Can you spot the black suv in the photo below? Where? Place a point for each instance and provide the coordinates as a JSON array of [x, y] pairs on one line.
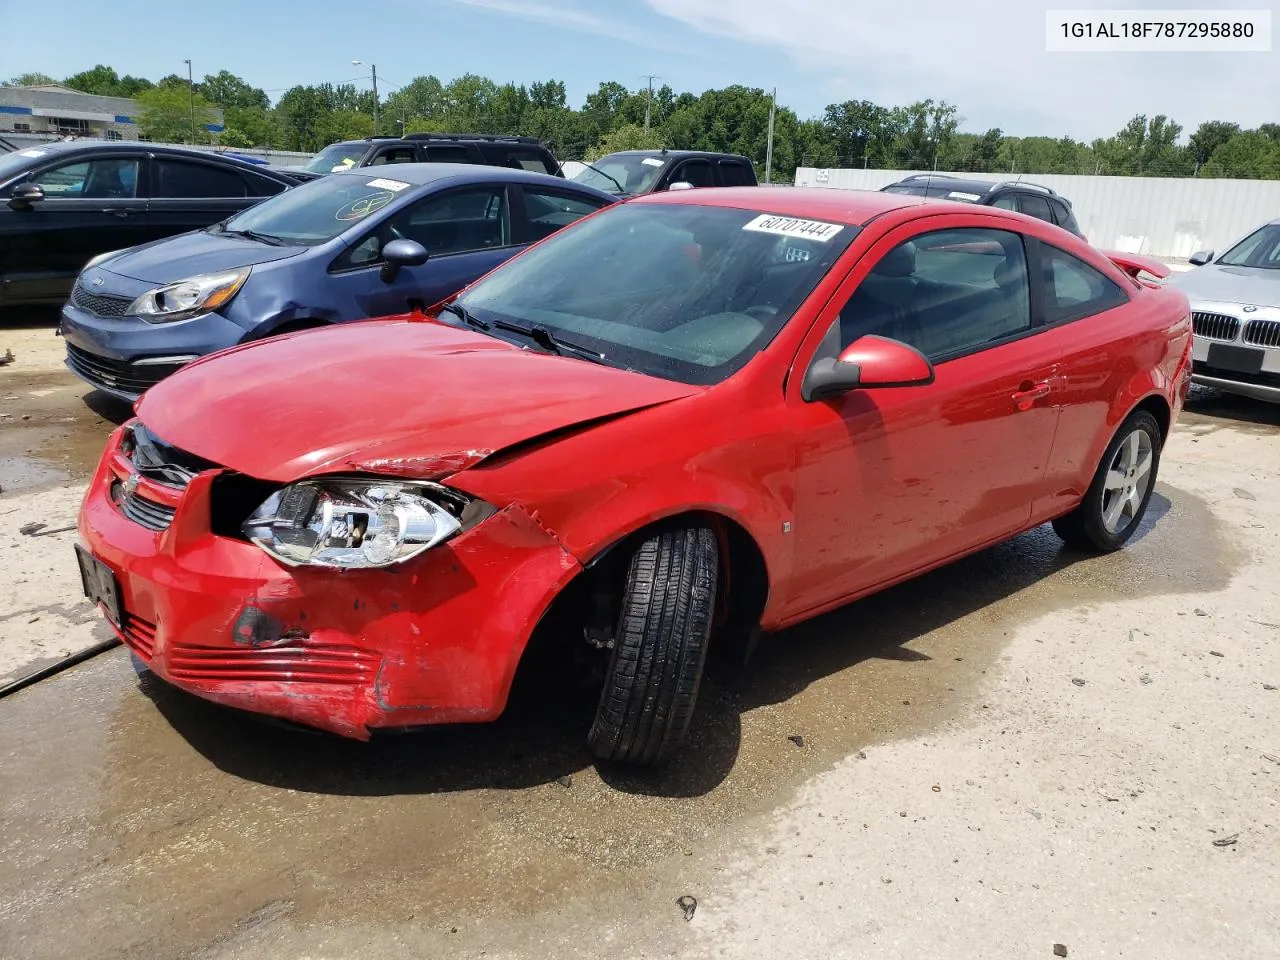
[[522, 153], [1029, 198], [631, 173]]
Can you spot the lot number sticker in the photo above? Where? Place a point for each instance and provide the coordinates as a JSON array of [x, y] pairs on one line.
[[381, 184], [651, 161], [791, 227]]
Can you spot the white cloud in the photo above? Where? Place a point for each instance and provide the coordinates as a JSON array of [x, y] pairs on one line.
[[577, 20], [988, 59]]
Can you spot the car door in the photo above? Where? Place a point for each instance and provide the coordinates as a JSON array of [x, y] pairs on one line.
[[190, 193], [92, 204], [1085, 331], [891, 481], [541, 211], [467, 231]]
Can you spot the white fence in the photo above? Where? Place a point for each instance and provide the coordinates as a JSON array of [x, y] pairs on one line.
[[1161, 216]]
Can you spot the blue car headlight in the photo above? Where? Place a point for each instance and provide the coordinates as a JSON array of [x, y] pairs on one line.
[[190, 297]]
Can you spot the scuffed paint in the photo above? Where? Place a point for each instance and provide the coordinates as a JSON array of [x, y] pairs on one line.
[[420, 468]]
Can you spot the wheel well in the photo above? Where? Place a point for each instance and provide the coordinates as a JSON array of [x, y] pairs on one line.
[[1158, 407]]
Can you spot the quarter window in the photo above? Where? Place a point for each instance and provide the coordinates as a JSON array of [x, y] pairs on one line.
[[1037, 207], [1073, 289], [183, 179], [946, 293], [107, 179]]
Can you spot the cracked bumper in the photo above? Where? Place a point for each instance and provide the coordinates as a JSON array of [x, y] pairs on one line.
[[434, 641]]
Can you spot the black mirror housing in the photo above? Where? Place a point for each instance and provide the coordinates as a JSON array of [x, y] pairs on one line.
[[401, 253], [1200, 258], [24, 195]]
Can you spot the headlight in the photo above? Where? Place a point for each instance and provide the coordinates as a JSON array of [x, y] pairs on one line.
[[353, 524], [188, 298], [100, 258]]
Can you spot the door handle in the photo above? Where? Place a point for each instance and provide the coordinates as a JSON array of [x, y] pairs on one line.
[[120, 211], [1030, 393]]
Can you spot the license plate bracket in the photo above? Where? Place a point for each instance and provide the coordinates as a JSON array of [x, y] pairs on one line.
[[1228, 356], [100, 584]]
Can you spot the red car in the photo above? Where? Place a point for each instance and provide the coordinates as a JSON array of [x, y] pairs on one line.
[[683, 419]]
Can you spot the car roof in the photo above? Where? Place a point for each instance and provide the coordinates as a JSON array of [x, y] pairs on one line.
[[675, 153], [853, 207], [423, 174], [142, 146]]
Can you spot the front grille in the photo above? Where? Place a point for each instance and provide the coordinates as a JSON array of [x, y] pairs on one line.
[[1215, 326], [115, 374], [147, 513], [103, 306], [140, 636], [1263, 333], [297, 662]]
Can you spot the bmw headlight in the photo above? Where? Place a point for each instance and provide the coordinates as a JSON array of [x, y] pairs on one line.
[[190, 297], [354, 524]]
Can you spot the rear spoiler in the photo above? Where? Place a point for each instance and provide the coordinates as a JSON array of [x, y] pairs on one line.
[[1135, 263]]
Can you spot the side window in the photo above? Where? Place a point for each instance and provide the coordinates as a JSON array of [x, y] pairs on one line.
[[733, 174], [460, 222], [1034, 206], [548, 212], [448, 154], [106, 179], [262, 186], [696, 172], [1073, 289], [394, 155], [945, 293], [1006, 201], [1062, 213], [186, 179], [518, 158]]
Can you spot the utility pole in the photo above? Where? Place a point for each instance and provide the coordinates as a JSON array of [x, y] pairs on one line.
[[768, 152], [648, 104], [373, 70], [191, 94]]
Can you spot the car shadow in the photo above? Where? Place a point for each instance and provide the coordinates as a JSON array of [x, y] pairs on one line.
[[541, 735], [111, 409], [1219, 405]]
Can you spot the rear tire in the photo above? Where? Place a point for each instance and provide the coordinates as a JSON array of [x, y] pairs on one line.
[[1113, 508], [660, 648]]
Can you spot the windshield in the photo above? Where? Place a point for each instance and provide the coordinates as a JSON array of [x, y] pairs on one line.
[[1260, 249], [634, 174], [336, 157], [318, 210], [942, 191], [678, 291]]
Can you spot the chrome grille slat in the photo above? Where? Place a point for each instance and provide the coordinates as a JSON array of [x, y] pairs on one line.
[[117, 374], [1263, 333], [98, 304], [147, 513], [1215, 326]]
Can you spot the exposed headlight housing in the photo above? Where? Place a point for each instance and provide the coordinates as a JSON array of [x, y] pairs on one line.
[[351, 524], [189, 298], [101, 258]]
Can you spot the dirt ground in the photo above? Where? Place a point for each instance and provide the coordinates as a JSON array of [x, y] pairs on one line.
[[1024, 749]]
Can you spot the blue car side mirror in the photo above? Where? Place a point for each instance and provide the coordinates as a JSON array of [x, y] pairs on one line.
[[401, 253]]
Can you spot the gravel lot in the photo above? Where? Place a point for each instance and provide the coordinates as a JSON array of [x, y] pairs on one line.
[[1024, 749]]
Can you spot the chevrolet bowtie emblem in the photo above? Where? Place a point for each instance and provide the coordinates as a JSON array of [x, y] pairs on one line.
[[131, 485]]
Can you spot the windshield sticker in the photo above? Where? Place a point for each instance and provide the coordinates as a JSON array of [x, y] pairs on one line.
[[31, 153], [651, 161], [382, 184], [958, 195], [791, 227], [361, 207]]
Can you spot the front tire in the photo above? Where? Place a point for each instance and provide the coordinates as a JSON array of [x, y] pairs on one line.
[[1116, 501], [659, 649]]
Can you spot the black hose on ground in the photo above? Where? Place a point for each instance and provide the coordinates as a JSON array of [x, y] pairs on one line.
[[44, 673]]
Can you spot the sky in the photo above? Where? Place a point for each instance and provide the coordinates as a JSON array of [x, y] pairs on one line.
[[985, 56]]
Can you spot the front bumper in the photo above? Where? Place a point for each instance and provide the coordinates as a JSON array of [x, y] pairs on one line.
[[125, 356], [436, 640], [1237, 349]]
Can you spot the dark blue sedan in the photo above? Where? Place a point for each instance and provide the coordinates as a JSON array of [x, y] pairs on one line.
[[366, 243]]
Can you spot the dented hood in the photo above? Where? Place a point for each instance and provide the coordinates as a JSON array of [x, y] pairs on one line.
[[399, 397]]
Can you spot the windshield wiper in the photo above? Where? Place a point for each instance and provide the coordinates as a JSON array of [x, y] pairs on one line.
[[621, 188], [544, 338], [254, 235], [465, 315]]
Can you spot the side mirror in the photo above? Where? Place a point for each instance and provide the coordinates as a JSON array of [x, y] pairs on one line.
[[868, 363], [1200, 258], [401, 253], [24, 195], [681, 185]]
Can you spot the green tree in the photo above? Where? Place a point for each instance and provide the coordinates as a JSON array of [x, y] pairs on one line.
[[165, 114], [1145, 148], [1209, 136], [227, 90], [30, 80], [1250, 155], [859, 131], [628, 137]]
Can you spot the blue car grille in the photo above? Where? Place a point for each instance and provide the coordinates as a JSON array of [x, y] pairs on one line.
[[102, 306], [113, 374]]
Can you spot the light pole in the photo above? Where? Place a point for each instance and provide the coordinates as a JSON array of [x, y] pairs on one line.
[[191, 93], [648, 104], [373, 69]]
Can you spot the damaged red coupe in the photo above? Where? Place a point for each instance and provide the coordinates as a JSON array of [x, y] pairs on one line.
[[682, 420]]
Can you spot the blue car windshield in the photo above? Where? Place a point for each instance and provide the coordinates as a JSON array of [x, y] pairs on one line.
[[679, 291], [316, 212]]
